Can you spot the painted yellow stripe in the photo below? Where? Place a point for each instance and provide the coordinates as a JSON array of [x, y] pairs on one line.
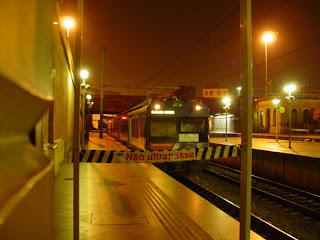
[[106, 156], [208, 154], [226, 151], [217, 152], [235, 151], [199, 155]]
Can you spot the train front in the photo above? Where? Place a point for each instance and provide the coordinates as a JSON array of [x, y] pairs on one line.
[[175, 124]]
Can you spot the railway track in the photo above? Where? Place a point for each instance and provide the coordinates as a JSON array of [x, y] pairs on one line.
[[259, 225], [302, 201]]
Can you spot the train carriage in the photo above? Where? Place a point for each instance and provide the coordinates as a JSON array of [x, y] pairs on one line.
[[163, 124]]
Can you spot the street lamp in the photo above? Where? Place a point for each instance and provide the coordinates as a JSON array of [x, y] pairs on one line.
[[239, 91], [276, 102], [84, 87], [267, 37], [89, 97], [68, 23], [289, 89], [227, 102]]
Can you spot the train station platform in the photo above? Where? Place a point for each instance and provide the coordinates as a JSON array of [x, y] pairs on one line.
[[301, 148], [135, 201]]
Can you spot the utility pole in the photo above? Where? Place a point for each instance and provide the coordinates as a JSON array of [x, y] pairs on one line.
[[246, 128], [101, 91]]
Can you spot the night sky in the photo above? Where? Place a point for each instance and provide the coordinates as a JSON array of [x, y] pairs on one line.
[[196, 43]]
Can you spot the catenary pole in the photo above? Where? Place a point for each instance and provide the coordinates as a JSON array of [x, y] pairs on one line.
[[246, 127], [76, 125], [101, 91]]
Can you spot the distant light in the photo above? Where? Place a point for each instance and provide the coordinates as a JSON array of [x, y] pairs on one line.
[[169, 112], [55, 23], [275, 101], [124, 118], [84, 74], [239, 88], [226, 101], [289, 88], [157, 106], [88, 96], [268, 37], [198, 107], [68, 22]]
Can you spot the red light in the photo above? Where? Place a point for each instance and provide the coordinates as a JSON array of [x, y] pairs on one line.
[[124, 118]]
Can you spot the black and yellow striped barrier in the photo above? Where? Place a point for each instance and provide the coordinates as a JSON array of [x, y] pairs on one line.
[[101, 156]]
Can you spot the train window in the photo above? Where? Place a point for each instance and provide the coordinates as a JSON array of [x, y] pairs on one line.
[[163, 127], [188, 125]]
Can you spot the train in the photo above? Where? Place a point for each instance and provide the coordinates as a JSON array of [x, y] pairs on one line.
[[162, 124]]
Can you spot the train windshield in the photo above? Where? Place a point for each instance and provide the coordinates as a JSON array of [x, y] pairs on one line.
[[193, 125], [163, 127]]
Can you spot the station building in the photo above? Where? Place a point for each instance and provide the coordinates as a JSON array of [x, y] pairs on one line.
[[305, 112]]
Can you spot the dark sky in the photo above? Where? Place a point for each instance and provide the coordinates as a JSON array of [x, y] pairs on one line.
[[169, 43]]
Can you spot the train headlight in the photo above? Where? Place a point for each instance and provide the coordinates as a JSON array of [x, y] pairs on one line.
[[198, 107], [157, 106]]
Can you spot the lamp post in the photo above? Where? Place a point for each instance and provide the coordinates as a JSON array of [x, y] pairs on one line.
[[89, 103], [227, 103], [289, 89], [68, 23], [267, 37], [276, 102], [84, 75], [239, 91]]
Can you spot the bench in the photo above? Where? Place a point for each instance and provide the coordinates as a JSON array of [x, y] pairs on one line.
[[300, 130]]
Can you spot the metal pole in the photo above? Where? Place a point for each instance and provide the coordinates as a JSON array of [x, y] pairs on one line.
[[76, 135], [88, 120], [83, 91], [226, 123], [289, 119], [101, 91], [277, 110], [266, 61], [246, 123]]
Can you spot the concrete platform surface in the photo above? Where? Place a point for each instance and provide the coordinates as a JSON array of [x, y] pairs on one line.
[[309, 149], [136, 201]]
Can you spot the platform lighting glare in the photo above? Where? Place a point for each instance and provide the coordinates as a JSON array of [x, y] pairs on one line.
[[84, 74], [290, 88], [268, 37], [89, 97], [157, 106], [227, 101], [68, 23], [276, 101]]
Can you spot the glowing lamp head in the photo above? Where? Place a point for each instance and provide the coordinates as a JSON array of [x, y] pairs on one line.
[[268, 37], [276, 101], [290, 88], [84, 74], [157, 106], [68, 22], [89, 97], [227, 101]]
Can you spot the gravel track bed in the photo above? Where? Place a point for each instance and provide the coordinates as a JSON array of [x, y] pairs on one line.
[[297, 225]]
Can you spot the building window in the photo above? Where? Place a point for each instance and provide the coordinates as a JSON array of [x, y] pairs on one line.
[[211, 93], [225, 93], [206, 93], [219, 93]]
